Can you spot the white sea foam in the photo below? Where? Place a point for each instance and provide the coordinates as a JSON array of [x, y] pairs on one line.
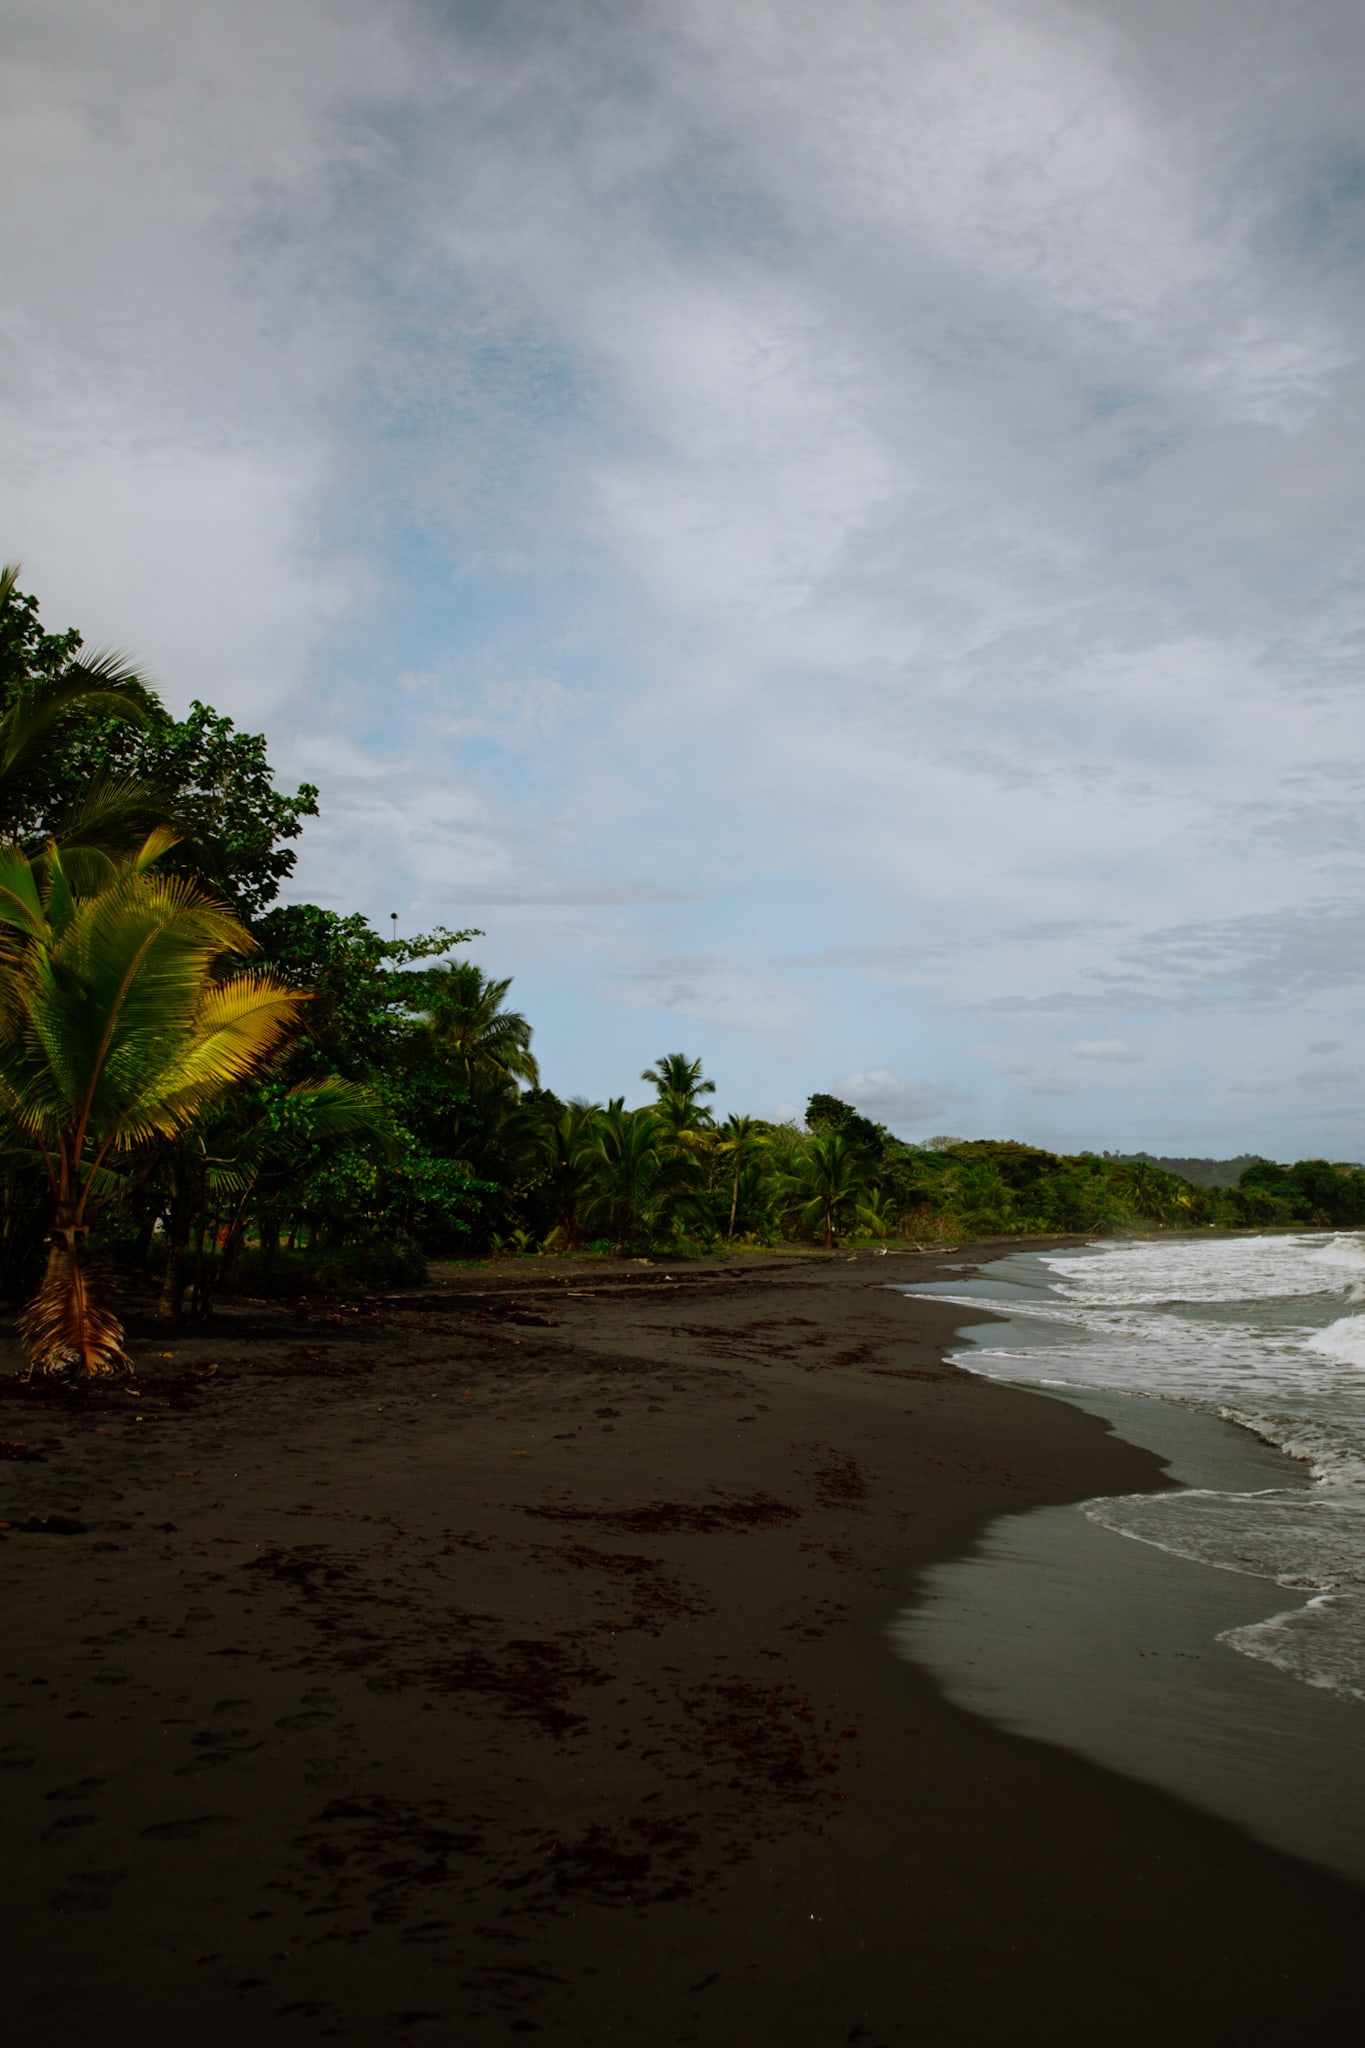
[[1343, 1340], [1320, 1643], [1259, 1331]]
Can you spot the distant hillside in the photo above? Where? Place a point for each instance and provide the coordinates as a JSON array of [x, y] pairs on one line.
[[1201, 1173]]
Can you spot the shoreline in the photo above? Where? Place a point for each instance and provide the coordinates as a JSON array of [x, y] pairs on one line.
[[1061, 1628], [516, 1659], [1070, 1629]]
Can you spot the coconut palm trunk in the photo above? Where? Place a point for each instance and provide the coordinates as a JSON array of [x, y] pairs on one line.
[[64, 1326]]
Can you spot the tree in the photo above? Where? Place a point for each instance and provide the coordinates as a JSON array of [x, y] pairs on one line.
[[824, 1183], [262, 1139], [563, 1136], [1160, 1197], [471, 1032], [47, 697], [637, 1177], [116, 1030], [677, 1076], [826, 1113], [741, 1137], [216, 787], [364, 1004], [107, 755]]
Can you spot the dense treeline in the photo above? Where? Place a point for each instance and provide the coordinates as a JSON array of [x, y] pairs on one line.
[[1201, 1173], [208, 1092]]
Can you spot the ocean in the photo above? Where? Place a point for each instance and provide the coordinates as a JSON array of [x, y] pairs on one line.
[[1210, 1639]]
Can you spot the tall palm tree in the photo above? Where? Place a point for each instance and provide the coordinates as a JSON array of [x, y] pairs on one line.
[[675, 1075], [741, 1138], [474, 1035], [115, 1030], [569, 1159]]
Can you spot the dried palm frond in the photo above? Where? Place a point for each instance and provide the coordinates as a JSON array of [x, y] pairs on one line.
[[65, 1329]]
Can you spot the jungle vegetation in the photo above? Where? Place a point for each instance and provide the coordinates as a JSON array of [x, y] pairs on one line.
[[206, 1092]]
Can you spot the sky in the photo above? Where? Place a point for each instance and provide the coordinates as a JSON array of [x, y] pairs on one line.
[[833, 535]]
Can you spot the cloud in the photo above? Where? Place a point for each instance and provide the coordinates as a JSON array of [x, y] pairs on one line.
[[713, 989], [884, 1094], [1255, 1084], [815, 519]]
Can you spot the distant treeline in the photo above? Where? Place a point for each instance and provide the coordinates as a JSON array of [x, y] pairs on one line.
[[1200, 1173], [988, 1187]]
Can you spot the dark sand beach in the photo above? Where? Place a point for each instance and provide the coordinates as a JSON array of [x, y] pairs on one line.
[[514, 1661]]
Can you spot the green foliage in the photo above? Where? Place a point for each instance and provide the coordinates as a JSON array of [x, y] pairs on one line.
[[364, 998], [472, 1036], [638, 1180], [216, 784], [49, 698], [28, 655], [825, 1113], [1311, 1191], [121, 1029], [676, 1076], [86, 740], [824, 1186], [366, 1102]]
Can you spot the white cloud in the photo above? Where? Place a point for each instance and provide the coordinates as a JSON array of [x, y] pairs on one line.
[[714, 989], [888, 478], [887, 1096]]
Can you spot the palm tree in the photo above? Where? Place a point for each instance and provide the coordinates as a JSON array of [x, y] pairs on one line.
[[37, 713], [565, 1142], [474, 1035], [115, 1031], [740, 1137], [637, 1176], [681, 1078], [823, 1183], [1151, 1192]]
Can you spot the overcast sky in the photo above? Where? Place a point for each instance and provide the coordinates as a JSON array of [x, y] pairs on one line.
[[834, 534]]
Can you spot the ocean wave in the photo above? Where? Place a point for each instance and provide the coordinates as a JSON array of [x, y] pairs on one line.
[[1343, 1340], [1322, 1644], [1251, 1330]]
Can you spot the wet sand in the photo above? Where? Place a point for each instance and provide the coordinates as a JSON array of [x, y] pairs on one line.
[[1059, 1627], [515, 1661]]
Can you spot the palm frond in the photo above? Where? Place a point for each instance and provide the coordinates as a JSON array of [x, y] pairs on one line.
[[105, 685], [64, 1327], [113, 811], [21, 905], [236, 1027]]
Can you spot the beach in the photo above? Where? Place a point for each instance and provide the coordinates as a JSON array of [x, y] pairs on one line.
[[515, 1658]]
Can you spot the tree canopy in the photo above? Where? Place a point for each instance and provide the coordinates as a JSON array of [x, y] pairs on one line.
[[83, 726]]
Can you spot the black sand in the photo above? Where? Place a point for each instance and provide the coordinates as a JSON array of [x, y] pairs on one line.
[[515, 1663]]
